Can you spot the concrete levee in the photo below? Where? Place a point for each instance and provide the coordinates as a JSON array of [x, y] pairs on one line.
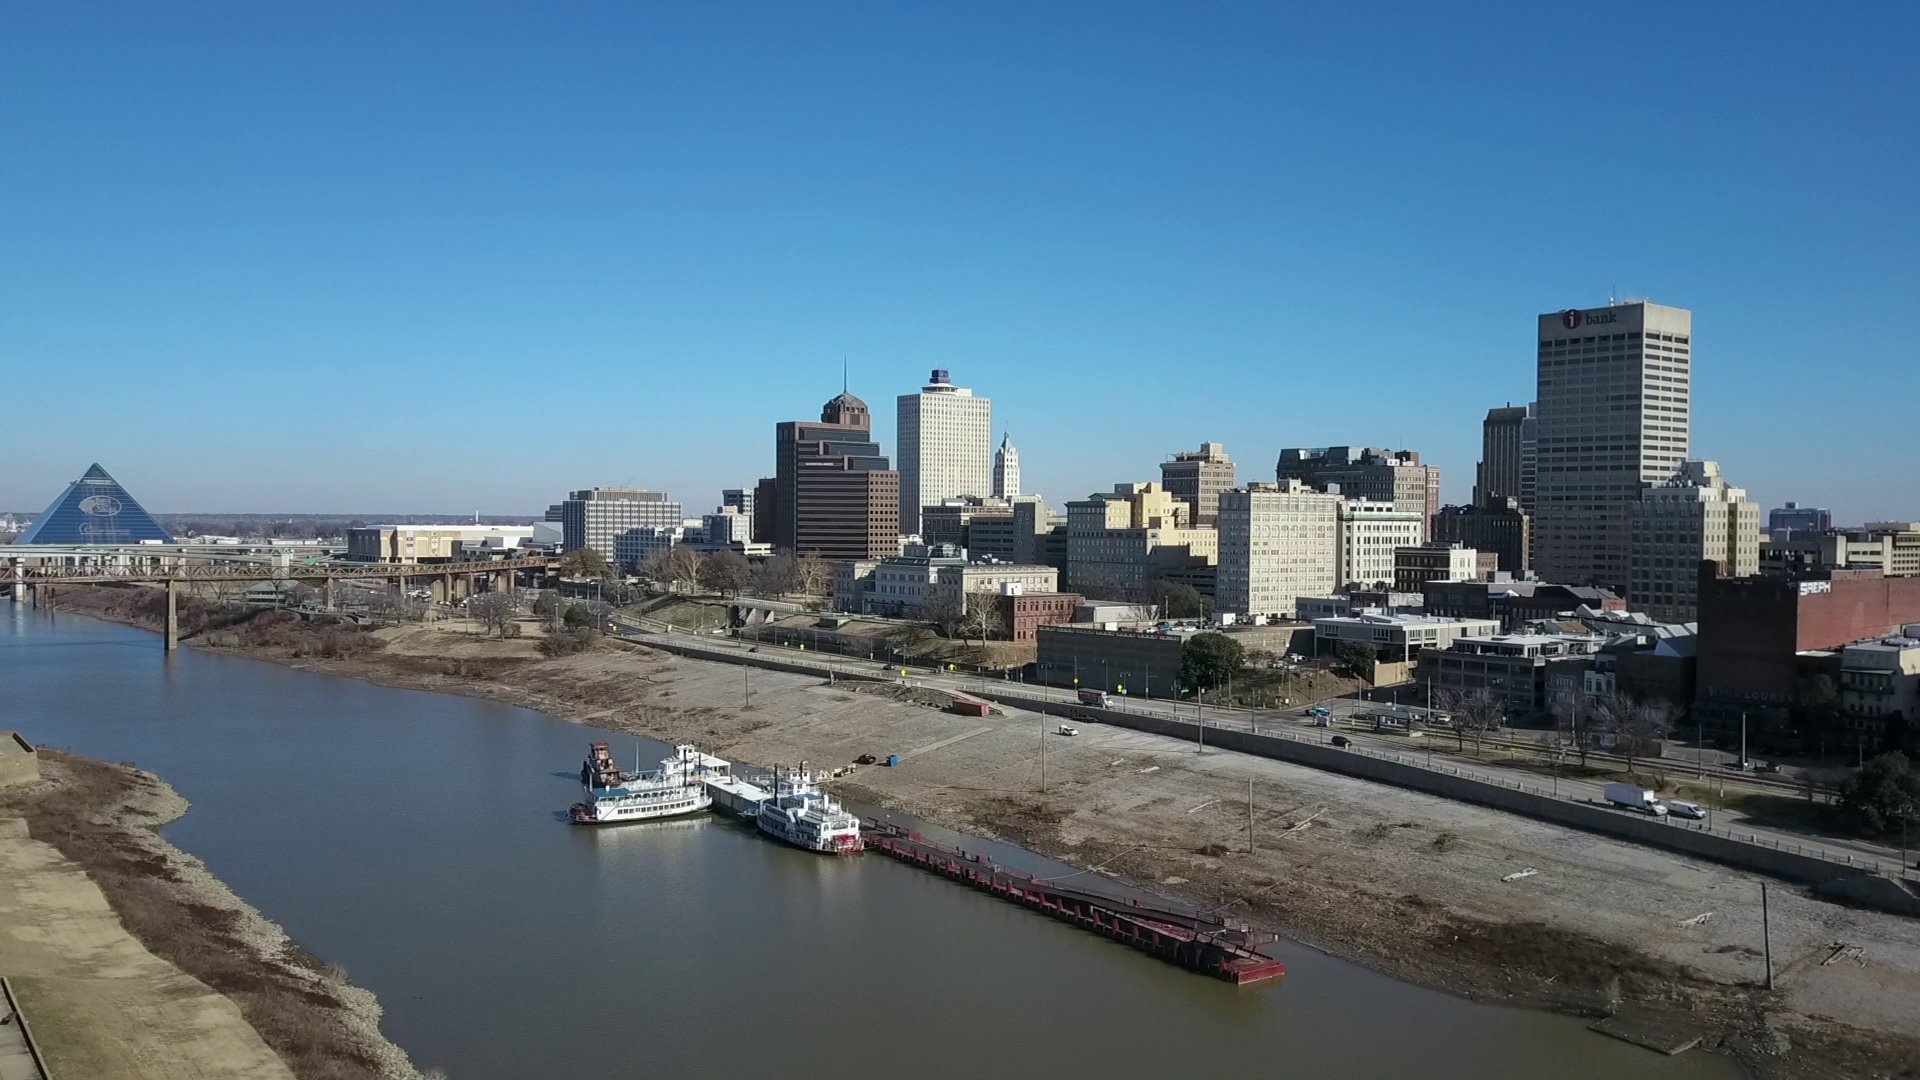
[[1828, 876], [1654, 832]]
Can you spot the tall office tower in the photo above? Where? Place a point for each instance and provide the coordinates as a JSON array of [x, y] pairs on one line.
[[1694, 517], [1615, 406], [1811, 519], [834, 492], [1498, 476], [1278, 542], [1529, 457], [1197, 477], [1364, 472], [623, 524], [946, 443], [766, 506], [1006, 470]]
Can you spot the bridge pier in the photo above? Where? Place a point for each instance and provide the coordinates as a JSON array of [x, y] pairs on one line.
[[173, 614]]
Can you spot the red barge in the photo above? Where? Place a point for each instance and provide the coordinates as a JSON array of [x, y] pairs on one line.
[[1196, 941]]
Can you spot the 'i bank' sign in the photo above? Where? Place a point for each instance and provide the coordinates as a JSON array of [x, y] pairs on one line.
[[1573, 320]]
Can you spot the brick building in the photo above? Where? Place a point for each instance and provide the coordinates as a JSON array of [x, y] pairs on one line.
[[1761, 637], [1023, 614]]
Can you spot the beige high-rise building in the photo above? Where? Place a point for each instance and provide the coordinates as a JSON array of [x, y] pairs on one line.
[[1278, 542], [1197, 477], [1119, 543], [1614, 416], [1694, 516], [946, 447]]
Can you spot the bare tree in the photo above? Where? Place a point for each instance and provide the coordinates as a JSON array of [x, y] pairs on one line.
[[943, 610], [775, 577], [1474, 712], [725, 572], [681, 567], [493, 610], [813, 575], [1633, 724], [981, 616], [1573, 727]]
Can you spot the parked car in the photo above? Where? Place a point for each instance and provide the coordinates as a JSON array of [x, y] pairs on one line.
[[1068, 729], [1686, 810], [1342, 741]]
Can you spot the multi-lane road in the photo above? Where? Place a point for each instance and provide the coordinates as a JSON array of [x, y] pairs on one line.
[[1434, 750]]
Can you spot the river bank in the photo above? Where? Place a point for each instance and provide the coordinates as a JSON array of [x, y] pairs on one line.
[[217, 990], [1400, 882]]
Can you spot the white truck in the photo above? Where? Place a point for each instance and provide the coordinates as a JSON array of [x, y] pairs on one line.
[[1636, 798]]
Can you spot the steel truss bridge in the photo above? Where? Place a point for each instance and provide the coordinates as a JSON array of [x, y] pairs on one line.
[[34, 569], [37, 569]]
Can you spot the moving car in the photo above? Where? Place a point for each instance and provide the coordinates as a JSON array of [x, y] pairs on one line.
[[1342, 741], [1686, 810]]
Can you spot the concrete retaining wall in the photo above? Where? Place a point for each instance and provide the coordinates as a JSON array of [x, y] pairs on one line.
[[1653, 832], [1832, 877], [19, 762]]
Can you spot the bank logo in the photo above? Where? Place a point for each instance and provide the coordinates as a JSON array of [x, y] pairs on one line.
[[1570, 319]]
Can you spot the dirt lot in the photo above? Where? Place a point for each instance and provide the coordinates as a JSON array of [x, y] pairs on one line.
[[222, 993], [1408, 883]]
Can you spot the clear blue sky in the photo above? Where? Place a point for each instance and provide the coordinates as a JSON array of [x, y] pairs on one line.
[[435, 258]]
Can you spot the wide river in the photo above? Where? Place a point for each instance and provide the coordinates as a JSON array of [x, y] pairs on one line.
[[417, 841]]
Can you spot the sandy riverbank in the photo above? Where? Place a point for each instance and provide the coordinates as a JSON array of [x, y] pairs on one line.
[[1406, 883], [135, 962]]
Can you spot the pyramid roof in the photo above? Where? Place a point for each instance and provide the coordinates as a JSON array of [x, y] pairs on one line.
[[95, 509]]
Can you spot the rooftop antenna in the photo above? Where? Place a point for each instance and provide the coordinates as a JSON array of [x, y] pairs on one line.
[[843, 374]]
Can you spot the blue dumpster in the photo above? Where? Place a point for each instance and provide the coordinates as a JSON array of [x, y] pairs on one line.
[[892, 760]]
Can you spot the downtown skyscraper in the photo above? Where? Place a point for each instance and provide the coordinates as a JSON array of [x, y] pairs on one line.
[[1614, 413], [946, 447]]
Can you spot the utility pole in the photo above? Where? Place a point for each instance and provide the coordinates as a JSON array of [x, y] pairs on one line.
[[746, 685], [1249, 815], [1766, 935], [1743, 740], [1043, 754]]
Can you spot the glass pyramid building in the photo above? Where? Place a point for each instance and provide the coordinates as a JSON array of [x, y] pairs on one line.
[[95, 509]]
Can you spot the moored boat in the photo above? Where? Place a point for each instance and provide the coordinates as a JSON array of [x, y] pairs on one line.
[[799, 813], [677, 787]]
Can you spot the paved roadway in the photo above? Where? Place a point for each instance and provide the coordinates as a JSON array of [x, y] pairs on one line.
[[1294, 723]]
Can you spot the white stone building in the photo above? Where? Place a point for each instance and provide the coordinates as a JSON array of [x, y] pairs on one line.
[[946, 447], [1369, 532], [1006, 470], [1277, 542]]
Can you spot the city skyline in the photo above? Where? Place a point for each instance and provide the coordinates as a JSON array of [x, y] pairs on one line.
[[612, 232]]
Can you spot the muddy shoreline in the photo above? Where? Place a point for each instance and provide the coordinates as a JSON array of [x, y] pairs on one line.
[[106, 818], [1518, 962]]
